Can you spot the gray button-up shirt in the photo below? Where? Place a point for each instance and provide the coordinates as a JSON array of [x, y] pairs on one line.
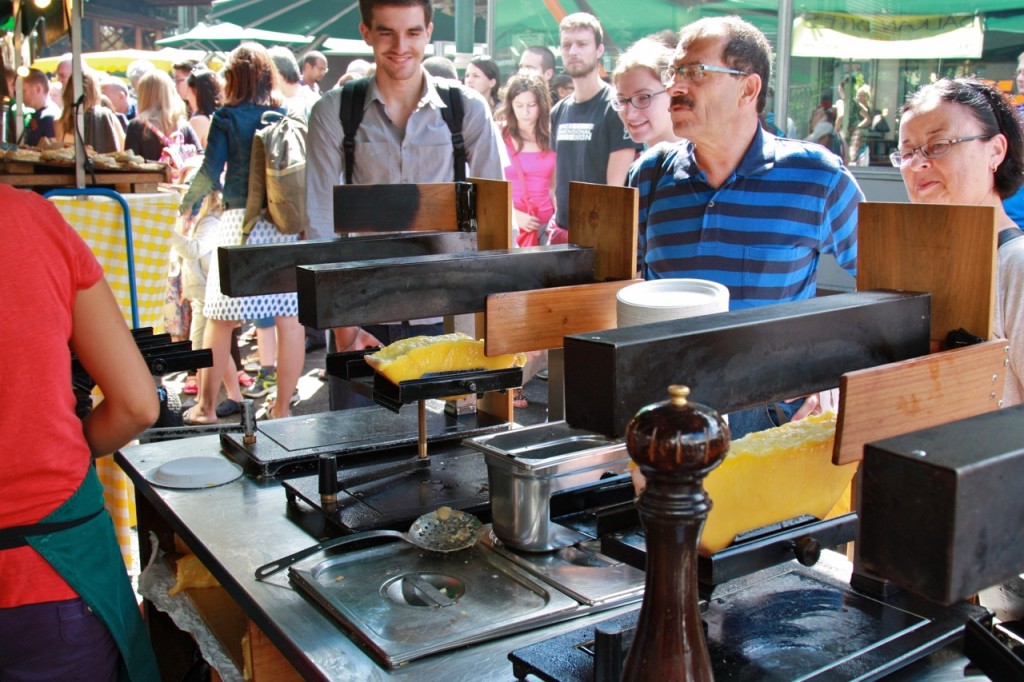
[[386, 154]]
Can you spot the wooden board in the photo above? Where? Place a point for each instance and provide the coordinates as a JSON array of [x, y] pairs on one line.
[[947, 251], [897, 398], [424, 206], [394, 208], [605, 218], [224, 617], [493, 214], [541, 318], [264, 661], [125, 182]]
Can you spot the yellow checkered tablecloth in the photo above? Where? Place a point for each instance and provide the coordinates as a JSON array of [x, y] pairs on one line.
[[100, 221], [119, 499]]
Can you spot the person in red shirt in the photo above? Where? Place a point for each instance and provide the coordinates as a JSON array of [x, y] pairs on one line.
[[63, 585]]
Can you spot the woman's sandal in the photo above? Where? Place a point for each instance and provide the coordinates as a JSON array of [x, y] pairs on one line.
[[519, 400], [189, 418]]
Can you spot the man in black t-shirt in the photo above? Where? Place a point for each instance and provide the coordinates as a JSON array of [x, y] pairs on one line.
[[590, 141]]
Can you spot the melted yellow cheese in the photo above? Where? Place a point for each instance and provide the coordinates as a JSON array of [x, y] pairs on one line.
[[414, 357], [775, 475], [191, 573]]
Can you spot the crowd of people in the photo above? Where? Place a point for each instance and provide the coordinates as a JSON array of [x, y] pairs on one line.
[[539, 129], [682, 119]]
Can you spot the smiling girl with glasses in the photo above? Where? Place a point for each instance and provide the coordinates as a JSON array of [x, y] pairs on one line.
[[640, 98]]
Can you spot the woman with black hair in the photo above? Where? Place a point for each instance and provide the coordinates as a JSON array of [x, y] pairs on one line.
[[484, 76], [961, 143]]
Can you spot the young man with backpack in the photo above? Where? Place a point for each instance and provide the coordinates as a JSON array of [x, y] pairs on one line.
[[403, 135]]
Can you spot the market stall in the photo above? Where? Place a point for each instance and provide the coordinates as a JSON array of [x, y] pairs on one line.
[[563, 534]]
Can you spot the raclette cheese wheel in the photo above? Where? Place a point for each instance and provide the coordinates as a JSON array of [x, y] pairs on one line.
[[417, 356], [772, 476]]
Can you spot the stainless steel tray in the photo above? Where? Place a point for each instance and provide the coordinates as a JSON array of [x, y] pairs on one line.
[[376, 593], [547, 448]]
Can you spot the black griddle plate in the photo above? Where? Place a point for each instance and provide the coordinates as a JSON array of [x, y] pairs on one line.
[[292, 445], [785, 623], [455, 476]]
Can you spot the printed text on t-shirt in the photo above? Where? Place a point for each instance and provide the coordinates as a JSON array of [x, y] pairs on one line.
[[575, 132]]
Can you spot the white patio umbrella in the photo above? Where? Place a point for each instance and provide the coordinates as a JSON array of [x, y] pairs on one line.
[[226, 37]]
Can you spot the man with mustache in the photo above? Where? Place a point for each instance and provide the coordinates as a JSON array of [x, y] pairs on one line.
[[589, 140], [733, 203]]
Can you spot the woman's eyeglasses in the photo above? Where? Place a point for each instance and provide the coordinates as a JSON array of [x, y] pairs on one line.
[[641, 101], [932, 150]]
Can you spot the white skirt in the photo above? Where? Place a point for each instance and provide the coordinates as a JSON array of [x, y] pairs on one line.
[[221, 307]]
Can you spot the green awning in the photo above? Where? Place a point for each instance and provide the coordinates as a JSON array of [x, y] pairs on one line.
[[316, 18]]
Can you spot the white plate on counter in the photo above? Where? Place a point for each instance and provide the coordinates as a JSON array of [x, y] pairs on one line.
[[192, 473]]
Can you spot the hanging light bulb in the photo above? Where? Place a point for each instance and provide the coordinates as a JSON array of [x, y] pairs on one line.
[[41, 4], [23, 71]]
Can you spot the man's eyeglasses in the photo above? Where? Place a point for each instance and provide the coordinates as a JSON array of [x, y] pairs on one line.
[[931, 150], [641, 101], [695, 72]]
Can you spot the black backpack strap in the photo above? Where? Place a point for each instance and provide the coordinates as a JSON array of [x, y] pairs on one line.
[[353, 102], [452, 113]]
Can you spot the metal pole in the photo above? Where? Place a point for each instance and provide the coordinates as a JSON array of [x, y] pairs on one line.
[[783, 48], [76, 84], [491, 35], [463, 33], [18, 94]]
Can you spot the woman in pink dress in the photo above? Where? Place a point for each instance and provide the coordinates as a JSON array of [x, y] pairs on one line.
[[531, 170]]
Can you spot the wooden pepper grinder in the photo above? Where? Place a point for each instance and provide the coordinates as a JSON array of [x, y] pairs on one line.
[[675, 443]]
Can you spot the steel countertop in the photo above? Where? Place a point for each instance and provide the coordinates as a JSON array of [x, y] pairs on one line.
[[237, 527]]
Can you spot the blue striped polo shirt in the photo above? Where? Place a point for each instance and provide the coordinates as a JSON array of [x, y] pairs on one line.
[[762, 232]]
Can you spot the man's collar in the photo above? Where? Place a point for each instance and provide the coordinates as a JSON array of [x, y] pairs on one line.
[[758, 159], [428, 93], [760, 155]]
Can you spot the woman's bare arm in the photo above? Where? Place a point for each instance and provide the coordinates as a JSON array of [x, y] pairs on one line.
[[107, 351]]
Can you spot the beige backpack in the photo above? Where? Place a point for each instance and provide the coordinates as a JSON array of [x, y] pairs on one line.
[[277, 174]]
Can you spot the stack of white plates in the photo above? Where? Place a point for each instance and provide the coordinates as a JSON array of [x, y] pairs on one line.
[[669, 299]]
